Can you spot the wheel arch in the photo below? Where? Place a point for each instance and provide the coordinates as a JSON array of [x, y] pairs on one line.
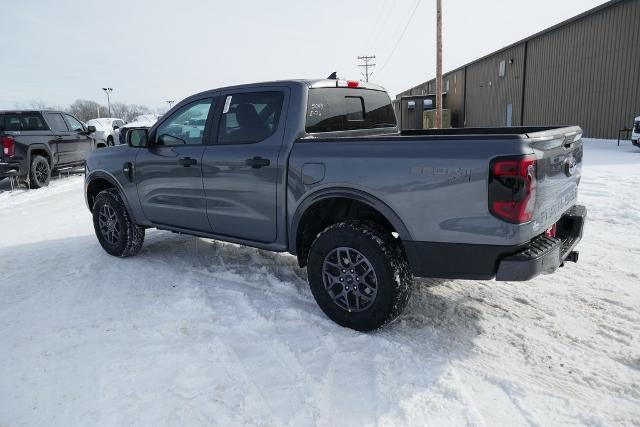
[[98, 181], [40, 149], [300, 233]]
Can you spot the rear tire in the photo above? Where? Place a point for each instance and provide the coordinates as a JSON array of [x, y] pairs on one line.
[[39, 172], [115, 230], [359, 275]]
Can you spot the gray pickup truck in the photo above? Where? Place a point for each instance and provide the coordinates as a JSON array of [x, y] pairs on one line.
[[320, 169]]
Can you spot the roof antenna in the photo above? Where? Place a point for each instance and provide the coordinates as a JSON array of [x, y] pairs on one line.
[[333, 76]]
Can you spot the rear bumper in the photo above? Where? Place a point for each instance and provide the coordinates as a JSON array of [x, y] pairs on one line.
[[10, 169], [508, 263]]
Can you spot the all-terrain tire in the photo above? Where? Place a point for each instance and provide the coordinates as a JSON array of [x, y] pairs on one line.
[[39, 172], [114, 228], [371, 249]]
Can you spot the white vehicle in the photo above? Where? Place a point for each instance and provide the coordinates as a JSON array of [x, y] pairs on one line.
[[142, 121], [635, 134], [107, 129]]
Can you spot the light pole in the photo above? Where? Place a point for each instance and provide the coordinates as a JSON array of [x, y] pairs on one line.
[[108, 90], [170, 102], [438, 64]]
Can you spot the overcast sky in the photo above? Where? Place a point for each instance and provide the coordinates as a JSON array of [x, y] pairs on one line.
[[153, 50]]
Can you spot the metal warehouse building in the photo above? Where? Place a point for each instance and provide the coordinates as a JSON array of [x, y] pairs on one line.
[[583, 71]]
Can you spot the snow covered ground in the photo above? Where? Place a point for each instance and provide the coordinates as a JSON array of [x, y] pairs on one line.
[[198, 332]]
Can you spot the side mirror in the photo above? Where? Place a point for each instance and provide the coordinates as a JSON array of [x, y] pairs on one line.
[[91, 129], [138, 137], [116, 127]]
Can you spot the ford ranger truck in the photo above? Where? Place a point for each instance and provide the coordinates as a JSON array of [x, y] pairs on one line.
[[319, 169]]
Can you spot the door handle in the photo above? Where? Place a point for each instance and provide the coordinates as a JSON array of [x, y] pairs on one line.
[[187, 161], [59, 138], [257, 162]]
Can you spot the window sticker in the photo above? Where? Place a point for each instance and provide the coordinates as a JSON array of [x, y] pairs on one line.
[[227, 104]]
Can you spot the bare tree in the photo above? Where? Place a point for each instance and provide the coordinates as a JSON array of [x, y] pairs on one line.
[[128, 111], [86, 110], [38, 104]]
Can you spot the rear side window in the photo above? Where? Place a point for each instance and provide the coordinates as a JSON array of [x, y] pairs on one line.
[[250, 117], [340, 109], [22, 122], [57, 122]]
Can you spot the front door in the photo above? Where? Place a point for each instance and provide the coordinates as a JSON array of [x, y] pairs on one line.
[[240, 168], [79, 139], [168, 173]]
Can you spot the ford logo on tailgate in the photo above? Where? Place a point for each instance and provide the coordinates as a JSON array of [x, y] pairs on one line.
[[570, 165]]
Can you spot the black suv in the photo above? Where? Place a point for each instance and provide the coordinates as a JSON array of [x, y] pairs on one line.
[[36, 142]]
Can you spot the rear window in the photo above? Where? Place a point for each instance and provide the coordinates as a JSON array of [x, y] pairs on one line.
[[22, 122], [340, 109]]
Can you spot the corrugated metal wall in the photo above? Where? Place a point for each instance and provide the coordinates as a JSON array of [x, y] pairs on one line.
[[587, 73], [584, 72], [488, 94]]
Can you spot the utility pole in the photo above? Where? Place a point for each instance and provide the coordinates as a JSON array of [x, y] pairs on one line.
[[367, 65], [108, 90], [438, 64], [170, 102]]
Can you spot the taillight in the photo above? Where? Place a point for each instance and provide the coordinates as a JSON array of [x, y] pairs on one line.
[[512, 188], [8, 146]]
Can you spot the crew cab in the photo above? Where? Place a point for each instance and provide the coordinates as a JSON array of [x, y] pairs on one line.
[[319, 169], [36, 142]]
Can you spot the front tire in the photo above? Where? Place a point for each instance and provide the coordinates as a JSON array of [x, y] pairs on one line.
[[115, 230], [110, 141], [39, 173], [359, 275]]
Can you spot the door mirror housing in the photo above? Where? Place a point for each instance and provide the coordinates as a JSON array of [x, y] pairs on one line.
[[116, 127], [91, 129], [138, 137]]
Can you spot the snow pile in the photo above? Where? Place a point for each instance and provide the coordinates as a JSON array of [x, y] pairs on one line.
[[195, 332]]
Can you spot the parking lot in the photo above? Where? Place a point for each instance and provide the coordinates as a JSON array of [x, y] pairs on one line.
[[199, 331]]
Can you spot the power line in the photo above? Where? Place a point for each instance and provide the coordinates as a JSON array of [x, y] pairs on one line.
[[404, 30], [366, 65]]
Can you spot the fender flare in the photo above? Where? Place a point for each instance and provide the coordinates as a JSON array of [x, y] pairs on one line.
[[40, 147], [348, 193], [100, 174]]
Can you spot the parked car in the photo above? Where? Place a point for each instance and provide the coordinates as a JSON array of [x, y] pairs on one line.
[[142, 121], [635, 134], [36, 142], [107, 129], [319, 169]]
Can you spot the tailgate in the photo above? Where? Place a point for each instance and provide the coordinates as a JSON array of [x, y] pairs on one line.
[[559, 168]]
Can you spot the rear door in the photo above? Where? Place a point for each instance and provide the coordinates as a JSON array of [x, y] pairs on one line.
[[241, 167], [64, 142], [168, 173]]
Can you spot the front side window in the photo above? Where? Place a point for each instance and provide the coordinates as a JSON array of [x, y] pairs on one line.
[[185, 126], [250, 117], [56, 122], [73, 123]]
